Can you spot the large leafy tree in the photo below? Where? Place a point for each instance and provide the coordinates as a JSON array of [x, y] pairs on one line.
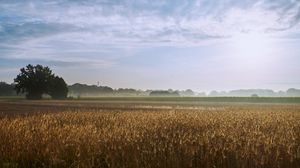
[[36, 81]]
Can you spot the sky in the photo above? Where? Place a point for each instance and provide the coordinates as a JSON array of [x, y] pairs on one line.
[[202, 45]]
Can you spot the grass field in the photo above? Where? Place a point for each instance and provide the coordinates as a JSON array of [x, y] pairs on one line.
[[150, 132]]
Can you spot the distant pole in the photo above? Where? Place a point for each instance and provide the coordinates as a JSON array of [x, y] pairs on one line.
[[98, 83]]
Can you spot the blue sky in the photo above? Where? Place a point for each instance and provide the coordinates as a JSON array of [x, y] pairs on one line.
[[155, 44]]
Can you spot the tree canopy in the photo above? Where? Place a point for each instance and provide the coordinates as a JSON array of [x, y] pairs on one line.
[[38, 80], [58, 88]]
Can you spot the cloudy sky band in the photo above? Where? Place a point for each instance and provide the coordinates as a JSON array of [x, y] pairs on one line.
[[116, 37]]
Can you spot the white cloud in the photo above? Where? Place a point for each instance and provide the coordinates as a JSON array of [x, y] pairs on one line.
[[51, 29], [125, 20]]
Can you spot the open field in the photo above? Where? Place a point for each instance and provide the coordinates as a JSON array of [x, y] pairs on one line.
[[190, 100], [166, 132]]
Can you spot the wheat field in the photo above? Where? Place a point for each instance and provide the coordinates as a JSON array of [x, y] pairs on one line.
[[138, 136]]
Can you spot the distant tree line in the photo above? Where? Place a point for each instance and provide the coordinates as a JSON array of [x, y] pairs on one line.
[[36, 81], [256, 93], [83, 90], [164, 93], [78, 90]]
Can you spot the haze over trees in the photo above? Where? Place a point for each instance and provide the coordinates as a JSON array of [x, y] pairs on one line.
[[164, 93], [259, 92], [83, 90], [37, 80]]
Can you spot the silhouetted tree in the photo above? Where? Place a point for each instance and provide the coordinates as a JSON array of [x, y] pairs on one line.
[[36, 81], [58, 88]]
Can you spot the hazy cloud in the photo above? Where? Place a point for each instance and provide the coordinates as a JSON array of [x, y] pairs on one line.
[[99, 33], [143, 21]]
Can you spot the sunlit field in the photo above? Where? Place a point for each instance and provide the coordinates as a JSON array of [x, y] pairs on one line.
[[149, 84], [140, 134]]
